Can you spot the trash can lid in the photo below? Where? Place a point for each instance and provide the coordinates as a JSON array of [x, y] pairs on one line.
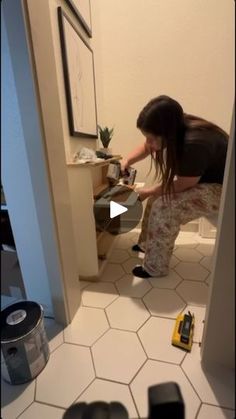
[[18, 319]]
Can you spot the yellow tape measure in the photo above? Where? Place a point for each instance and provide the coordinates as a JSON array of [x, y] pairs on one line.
[[183, 331]]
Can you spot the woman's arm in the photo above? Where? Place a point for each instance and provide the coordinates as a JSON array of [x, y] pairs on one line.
[[180, 184], [139, 153]]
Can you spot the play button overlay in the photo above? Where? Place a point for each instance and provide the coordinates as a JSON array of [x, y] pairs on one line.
[[117, 210]]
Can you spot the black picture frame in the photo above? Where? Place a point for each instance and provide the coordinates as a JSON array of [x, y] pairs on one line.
[[79, 79], [82, 10]]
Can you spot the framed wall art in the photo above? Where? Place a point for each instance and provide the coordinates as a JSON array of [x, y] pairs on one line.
[[78, 68], [82, 10]]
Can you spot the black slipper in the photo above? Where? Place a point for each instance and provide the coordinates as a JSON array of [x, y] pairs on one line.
[[136, 248], [140, 272]]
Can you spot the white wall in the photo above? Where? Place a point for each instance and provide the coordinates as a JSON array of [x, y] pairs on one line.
[[218, 343], [72, 144], [34, 173], [144, 48], [17, 182]]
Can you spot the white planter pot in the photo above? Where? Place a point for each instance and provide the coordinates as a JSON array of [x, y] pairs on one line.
[[106, 150]]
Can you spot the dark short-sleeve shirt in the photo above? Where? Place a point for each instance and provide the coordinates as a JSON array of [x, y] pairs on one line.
[[204, 155]]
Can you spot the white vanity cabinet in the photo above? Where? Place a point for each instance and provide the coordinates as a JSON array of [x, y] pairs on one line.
[[86, 180]]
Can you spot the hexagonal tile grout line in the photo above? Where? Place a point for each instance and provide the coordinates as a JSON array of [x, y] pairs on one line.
[[131, 383], [95, 377], [198, 410], [51, 352], [46, 404], [196, 250], [189, 380], [204, 254], [90, 348], [101, 308], [117, 381], [134, 401], [109, 324], [150, 315], [163, 362], [101, 336], [196, 263], [201, 254], [158, 316], [109, 381], [35, 390], [141, 343], [119, 263], [207, 276], [182, 280], [43, 404], [35, 400], [128, 330], [162, 288], [207, 269], [167, 289], [189, 280], [137, 372], [173, 289], [146, 305], [136, 332], [18, 416]]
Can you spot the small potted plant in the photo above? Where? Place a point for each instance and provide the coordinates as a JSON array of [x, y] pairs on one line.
[[105, 137]]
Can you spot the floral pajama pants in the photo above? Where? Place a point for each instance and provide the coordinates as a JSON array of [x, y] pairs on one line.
[[162, 220]]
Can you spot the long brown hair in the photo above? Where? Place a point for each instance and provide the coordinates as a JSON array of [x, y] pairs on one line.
[[164, 117]]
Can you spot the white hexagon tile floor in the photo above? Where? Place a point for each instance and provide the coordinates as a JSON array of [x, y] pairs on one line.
[[119, 342]]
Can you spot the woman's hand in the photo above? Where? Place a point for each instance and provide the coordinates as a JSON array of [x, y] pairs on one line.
[[143, 193], [124, 165]]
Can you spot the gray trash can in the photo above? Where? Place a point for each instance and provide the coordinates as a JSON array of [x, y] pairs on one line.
[[24, 345]]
